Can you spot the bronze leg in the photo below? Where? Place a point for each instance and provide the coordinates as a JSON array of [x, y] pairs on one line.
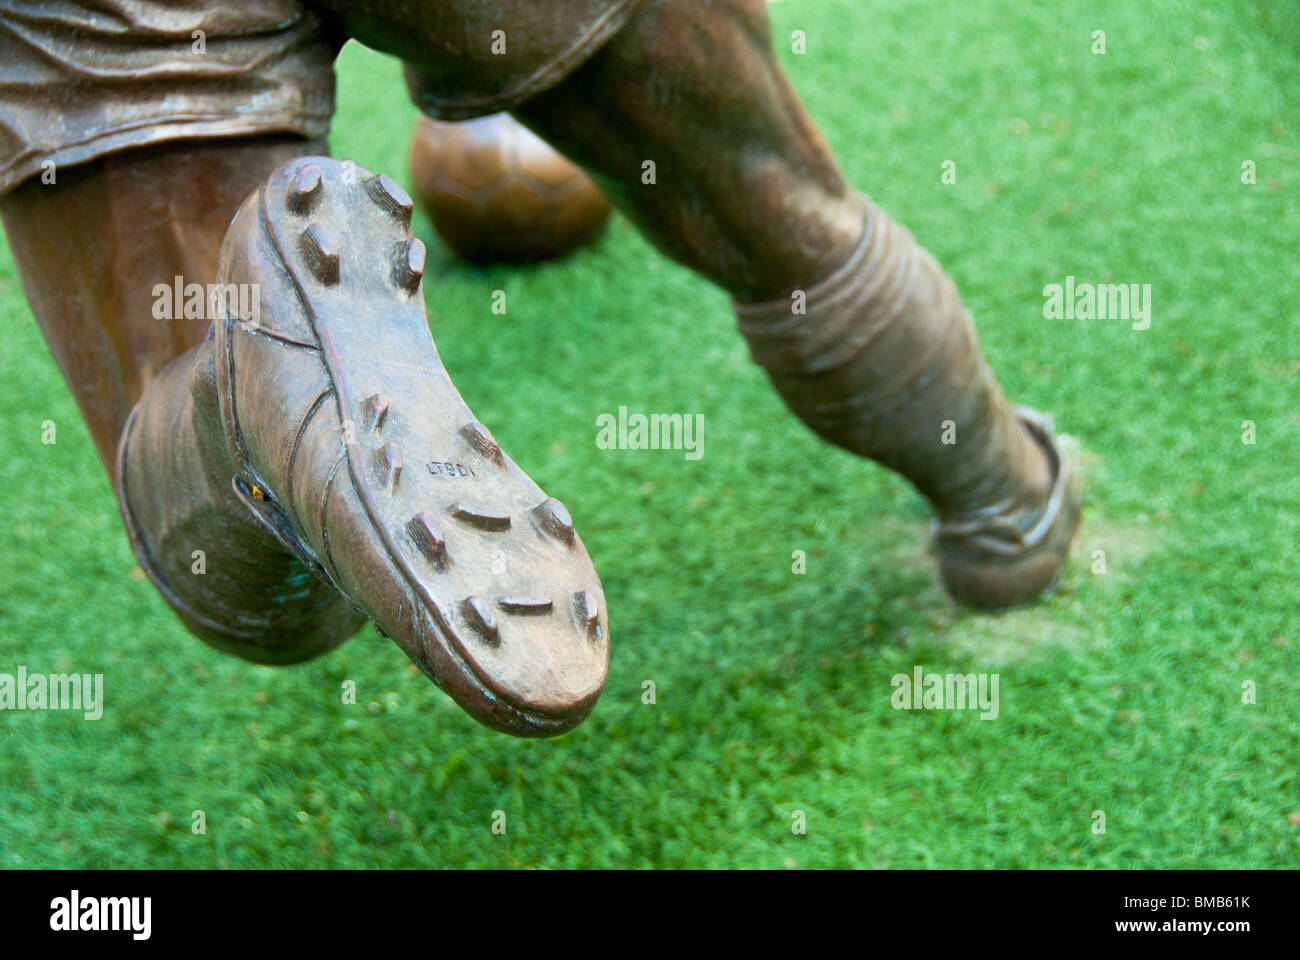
[[859, 329], [299, 461], [91, 247], [745, 189]]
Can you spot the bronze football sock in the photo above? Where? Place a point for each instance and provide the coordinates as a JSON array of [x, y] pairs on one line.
[[880, 357]]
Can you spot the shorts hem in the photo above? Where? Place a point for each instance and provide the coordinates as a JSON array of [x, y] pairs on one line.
[[469, 107], [145, 133]]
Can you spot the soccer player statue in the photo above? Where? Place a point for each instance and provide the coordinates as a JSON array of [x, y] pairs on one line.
[[309, 441]]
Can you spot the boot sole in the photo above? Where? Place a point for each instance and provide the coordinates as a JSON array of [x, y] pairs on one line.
[[506, 612]]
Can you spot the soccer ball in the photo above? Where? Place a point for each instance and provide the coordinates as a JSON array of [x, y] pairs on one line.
[[497, 192]]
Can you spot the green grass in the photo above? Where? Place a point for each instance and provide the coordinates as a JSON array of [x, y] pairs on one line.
[[1120, 692]]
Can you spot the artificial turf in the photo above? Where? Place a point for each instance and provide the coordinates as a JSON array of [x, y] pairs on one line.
[[1121, 692]]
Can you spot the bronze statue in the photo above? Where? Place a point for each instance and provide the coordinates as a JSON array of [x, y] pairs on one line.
[[309, 440]]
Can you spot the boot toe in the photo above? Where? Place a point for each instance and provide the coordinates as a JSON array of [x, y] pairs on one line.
[[999, 562]]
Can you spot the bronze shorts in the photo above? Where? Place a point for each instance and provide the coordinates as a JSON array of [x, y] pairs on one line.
[[83, 78]]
